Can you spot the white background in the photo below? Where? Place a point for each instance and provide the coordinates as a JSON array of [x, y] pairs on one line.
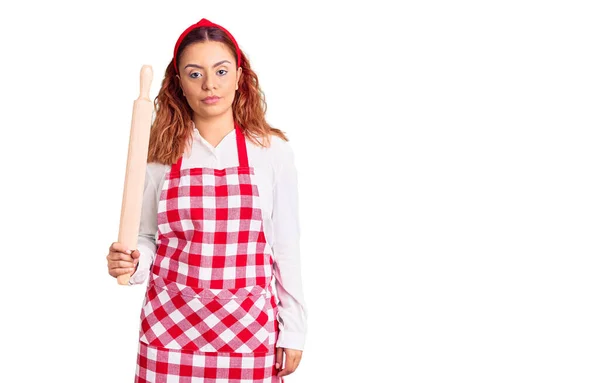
[[448, 162]]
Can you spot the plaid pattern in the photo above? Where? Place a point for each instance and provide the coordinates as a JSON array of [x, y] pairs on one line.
[[211, 231], [157, 365], [209, 310], [176, 316]]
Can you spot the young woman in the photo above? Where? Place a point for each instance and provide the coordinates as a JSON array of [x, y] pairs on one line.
[[219, 225]]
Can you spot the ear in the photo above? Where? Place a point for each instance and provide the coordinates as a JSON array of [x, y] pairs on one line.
[[238, 76], [179, 81]]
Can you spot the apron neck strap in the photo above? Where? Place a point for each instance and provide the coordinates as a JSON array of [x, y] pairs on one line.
[[241, 149], [241, 146]]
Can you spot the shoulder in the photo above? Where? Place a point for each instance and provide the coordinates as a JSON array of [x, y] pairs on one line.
[[278, 149], [155, 172], [281, 156]]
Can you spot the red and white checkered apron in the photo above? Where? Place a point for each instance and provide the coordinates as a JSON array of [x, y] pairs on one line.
[[209, 314]]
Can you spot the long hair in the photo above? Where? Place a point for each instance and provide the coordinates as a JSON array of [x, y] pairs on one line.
[[172, 127]]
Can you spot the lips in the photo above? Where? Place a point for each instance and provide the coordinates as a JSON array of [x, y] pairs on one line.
[[212, 100]]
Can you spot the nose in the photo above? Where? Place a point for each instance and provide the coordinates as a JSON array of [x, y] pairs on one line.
[[209, 82]]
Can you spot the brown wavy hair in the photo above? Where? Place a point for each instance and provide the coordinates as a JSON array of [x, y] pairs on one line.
[[172, 127]]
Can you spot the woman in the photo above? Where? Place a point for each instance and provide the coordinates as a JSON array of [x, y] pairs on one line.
[[219, 223]]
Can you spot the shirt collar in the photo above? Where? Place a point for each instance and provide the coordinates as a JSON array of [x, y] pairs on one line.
[[198, 138]]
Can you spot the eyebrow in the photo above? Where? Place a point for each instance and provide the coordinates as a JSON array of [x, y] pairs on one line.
[[201, 67]]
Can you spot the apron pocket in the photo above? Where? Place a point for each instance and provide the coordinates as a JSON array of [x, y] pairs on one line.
[[173, 320]]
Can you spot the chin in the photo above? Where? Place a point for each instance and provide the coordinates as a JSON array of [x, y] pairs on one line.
[[208, 111]]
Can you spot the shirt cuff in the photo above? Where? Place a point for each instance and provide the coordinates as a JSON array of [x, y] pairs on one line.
[[143, 268], [290, 339]]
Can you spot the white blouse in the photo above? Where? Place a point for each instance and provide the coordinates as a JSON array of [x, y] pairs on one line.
[[276, 177]]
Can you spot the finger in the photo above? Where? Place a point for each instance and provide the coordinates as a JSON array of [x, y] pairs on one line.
[[116, 256], [119, 264], [284, 372], [120, 271], [119, 247], [279, 358], [135, 255]]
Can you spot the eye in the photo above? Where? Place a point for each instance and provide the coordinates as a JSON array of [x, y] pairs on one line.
[[193, 73], [222, 70]]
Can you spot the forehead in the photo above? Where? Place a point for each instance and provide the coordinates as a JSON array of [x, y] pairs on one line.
[[207, 52]]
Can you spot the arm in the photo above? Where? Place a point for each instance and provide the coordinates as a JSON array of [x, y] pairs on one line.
[[147, 232], [286, 248]]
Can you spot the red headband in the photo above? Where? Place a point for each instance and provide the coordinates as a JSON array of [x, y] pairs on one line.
[[205, 23]]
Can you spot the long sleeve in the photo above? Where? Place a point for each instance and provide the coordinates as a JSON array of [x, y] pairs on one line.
[[292, 312], [147, 231]]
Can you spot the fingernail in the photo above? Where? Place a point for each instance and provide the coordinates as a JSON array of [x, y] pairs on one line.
[[277, 365], [128, 251]]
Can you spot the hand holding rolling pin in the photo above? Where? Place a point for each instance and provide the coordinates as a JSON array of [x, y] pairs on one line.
[[121, 261]]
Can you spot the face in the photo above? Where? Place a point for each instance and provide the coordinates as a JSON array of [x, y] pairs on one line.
[[207, 69]]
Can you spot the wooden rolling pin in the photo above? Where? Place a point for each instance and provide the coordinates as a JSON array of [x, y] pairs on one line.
[[133, 190]]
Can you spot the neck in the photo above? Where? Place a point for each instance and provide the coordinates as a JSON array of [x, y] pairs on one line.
[[213, 129]]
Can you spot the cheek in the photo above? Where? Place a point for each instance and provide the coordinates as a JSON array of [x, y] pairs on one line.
[[229, 82], [187, 89]]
